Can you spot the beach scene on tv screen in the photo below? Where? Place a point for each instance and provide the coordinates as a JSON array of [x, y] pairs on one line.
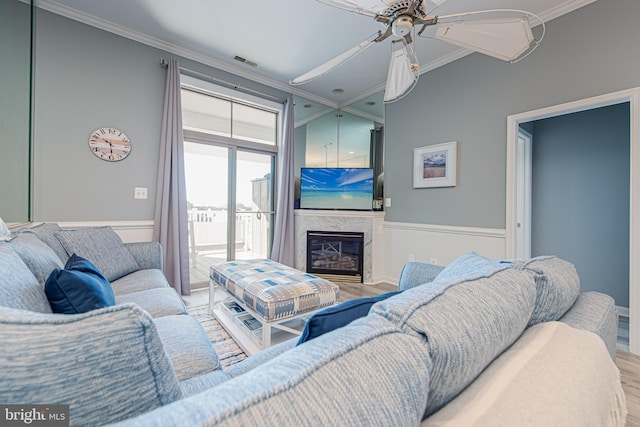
[[336, 188]]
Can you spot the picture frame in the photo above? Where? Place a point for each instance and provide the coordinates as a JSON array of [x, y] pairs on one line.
[[435, 165]]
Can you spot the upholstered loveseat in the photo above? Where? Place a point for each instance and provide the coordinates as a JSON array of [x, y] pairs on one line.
[[480, 342], [99, 343]]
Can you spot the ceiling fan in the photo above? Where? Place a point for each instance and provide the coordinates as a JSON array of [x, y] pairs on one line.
[[505, 34]]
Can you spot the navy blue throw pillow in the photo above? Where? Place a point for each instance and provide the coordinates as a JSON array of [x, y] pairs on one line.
[[79, 288], [340, 315]]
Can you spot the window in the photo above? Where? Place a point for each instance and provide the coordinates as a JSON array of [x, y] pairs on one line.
[[230, 157], [211, 114]]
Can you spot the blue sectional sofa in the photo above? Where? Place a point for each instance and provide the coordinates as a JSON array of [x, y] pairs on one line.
[[479, 342], [96, 357]]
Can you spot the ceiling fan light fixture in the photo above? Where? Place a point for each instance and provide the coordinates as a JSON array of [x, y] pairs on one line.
[[403, 73], [402, 25]]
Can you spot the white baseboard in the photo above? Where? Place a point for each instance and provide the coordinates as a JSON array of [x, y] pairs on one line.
[[623, 311], [129, 231]]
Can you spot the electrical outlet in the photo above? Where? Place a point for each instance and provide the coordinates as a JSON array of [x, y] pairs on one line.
[[387, 202], [140, 193]]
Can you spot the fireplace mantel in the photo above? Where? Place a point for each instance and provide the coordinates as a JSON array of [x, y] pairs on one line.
[[368, 222]]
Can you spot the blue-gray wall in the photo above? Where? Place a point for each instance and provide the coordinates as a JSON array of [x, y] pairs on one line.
[[87, 78], [586, 53], [580, 195]]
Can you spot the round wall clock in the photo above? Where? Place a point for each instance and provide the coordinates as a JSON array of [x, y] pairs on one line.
[[109, 144]]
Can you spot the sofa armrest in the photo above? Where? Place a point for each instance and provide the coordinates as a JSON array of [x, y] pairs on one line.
[[417, 273], [595, 312], [107, 364], [148, 255]]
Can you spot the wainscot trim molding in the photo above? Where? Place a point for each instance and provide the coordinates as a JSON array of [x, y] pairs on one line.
[[449, 229], [129, 231], [434, 244]]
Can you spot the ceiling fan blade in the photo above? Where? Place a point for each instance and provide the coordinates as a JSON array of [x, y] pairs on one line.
[[331, 64], [508, 39], [403, 72], [363, 7]]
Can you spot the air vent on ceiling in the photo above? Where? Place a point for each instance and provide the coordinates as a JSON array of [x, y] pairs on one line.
[[245, 60]]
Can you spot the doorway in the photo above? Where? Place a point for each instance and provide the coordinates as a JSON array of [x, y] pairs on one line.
[[514, 242], [230, 205]]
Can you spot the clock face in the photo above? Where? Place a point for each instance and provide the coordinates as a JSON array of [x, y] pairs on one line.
[[109, 144]]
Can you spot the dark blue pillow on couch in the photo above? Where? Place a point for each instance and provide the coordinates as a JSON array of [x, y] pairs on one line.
[[79, 288], [340, 315]]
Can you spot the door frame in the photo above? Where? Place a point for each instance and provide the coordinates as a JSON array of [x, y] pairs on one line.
[[513, 121]]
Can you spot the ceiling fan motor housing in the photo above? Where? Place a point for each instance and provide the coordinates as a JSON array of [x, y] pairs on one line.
[[402, 25]]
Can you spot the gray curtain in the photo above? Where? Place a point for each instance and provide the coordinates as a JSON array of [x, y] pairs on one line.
[[282, 250], [170, 222]]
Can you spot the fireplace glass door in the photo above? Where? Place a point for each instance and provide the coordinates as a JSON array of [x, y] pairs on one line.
[[335, 253]]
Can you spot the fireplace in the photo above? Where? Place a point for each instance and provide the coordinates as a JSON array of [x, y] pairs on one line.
[[335, 253]]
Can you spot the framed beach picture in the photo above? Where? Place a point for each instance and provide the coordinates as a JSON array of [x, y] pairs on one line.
[[435, 165]]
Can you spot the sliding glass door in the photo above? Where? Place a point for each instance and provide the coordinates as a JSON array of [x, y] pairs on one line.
[[219, 177], [254, 205]]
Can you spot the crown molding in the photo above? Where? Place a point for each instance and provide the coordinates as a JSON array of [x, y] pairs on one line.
[[58, 9], [54, 7], [563, 8]]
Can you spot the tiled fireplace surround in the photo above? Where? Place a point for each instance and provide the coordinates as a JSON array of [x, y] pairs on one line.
[[368, 222]]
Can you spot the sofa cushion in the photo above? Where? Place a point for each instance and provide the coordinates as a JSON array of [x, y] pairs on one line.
[[36, 254], [338, 316], [467, 323], [367, 373], [187, 345], [522, 387], [557, 287], [157, 302], [103, 247], [470, 266], [108, 364], [78, 288], [46, 233], [19, 288], [140, 280]]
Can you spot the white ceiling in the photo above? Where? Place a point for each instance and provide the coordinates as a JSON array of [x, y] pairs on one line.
[[284, 37]]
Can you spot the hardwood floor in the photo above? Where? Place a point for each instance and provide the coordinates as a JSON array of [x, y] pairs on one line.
[[350, 291], [629, 364]]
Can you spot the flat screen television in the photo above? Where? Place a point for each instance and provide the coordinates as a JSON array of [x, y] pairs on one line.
[[336, 188]]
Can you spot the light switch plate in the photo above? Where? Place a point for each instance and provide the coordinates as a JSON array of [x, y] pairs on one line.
[[140, 193]]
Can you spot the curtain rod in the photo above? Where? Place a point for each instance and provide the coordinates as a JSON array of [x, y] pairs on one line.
[[233, 85]]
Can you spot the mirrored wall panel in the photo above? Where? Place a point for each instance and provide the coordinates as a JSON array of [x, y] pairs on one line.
[[15, 108]]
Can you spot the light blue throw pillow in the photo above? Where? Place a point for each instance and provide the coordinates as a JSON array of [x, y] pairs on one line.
[[103, 247], [469, 314], [79, 288], [557, 287], [45, 232], [470, 266], [36, 254], [5, 234]]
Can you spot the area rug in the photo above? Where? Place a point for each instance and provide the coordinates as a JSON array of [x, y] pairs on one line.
[[228, 351]]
